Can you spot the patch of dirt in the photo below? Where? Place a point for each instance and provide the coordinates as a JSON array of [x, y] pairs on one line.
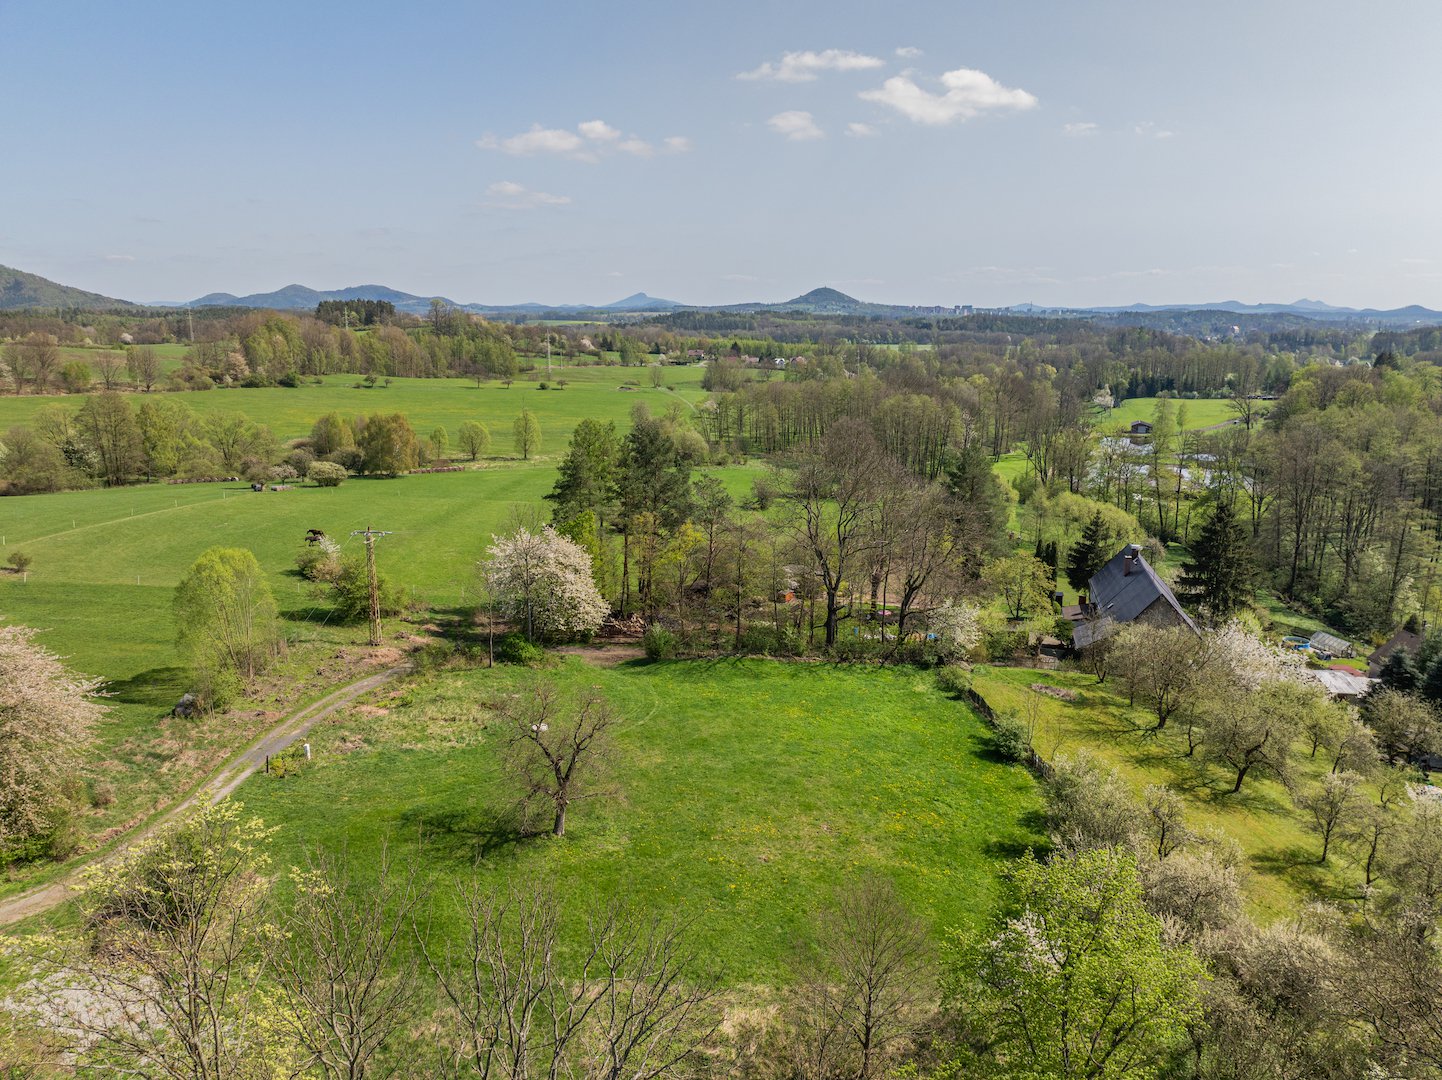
[[1061, 693], [370, 710], [603, 655], [349, 745]]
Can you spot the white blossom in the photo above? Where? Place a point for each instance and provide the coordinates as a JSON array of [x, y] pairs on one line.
[[543, 582]]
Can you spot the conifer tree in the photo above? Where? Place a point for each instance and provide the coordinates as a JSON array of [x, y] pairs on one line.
[[1432, 682], [1087, 555], [1400, 673], [1219, 576]]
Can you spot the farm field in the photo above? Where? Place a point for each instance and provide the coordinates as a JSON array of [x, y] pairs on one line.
[[1280, 852], [746, 793], [590, 392], [107, 561]]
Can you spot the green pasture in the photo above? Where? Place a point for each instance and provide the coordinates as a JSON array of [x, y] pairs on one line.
[[742, 794], [106, 563], [1201, 413], [603, 393]]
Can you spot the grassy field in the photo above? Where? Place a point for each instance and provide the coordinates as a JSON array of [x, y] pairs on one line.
[[106, 563], [1202, 413], [590, 392], [1281, 852], [746, 794]]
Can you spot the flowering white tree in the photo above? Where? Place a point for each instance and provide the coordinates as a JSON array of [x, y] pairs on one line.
[[543, 581], [45, 719], [957, 627]]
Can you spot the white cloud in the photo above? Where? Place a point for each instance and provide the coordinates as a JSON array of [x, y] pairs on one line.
[[796, 125], [638, 147], [614, 273], [1148, 130], [509, 195], [858, 130], [1080, 130], [592, 140], [598, 131], [968, 93], [119, 258], [538, 140], [908, 52], [796, 67]]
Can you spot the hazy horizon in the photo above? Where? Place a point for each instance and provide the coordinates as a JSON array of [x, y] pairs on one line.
[[1058, 154]]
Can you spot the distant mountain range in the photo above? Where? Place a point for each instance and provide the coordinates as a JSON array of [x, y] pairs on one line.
[[21, 290], [1311, 309], [302, 298]]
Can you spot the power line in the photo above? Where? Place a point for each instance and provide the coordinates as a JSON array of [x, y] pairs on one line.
[[370, 536]]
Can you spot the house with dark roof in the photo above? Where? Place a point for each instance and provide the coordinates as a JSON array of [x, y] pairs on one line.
[[1127, 590], [1402, 639], [1140, 427]]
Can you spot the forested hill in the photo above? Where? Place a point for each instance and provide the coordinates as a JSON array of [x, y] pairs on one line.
[[21, 290]]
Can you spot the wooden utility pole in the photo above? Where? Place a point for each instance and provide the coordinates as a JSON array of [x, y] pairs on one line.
[[370, 539]]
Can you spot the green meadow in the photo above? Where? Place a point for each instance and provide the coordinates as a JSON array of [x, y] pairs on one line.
[[1201, 413], [742, 794], [603, 393]]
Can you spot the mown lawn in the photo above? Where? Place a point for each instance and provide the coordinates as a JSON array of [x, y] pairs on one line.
[[745, 794], [1201, 413], [1262, 818], [589, 392]]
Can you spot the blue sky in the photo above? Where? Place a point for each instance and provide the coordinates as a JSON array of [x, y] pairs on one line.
[[1056, 152]]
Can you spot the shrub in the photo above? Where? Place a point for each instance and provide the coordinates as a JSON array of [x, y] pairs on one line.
[[351, 591], [327, 474], [319, 561], [513, 648], [1003, 644], [1011, 739], [432, 655], [763, 640], [348, 458], [659, 643], [19, 561], [954, 679]]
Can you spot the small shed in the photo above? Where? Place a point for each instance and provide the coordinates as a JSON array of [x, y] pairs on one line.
[[1342, 684], [1140, 427], [1322, 641]]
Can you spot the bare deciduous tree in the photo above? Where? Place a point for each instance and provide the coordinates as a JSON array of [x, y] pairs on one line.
[[555, 744], [143, 366], [346, 992], [866, 987], [833, 489], [629, 1009]]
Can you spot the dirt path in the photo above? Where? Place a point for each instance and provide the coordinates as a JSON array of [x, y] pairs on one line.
[[223, 783]]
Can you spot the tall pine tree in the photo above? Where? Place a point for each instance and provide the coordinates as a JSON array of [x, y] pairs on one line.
[[1089, 554], [1220, 575], [1400, 673]]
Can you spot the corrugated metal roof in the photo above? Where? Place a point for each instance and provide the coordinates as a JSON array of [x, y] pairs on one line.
[[1120, 594], [1341, 683]]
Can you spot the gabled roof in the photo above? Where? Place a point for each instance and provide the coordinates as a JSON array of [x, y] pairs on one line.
[[1126, 586], [1402, 639]]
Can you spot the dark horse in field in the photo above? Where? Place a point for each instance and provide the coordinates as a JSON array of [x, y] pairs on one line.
[[314, 536]]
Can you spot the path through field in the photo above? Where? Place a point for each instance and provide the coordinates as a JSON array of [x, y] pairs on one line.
[[223, 783]]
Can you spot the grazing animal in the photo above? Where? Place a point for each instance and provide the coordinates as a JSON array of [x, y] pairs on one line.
[[314, 536]]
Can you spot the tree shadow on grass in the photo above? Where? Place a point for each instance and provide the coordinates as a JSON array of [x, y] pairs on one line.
[[159, 688], [469, 834]]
